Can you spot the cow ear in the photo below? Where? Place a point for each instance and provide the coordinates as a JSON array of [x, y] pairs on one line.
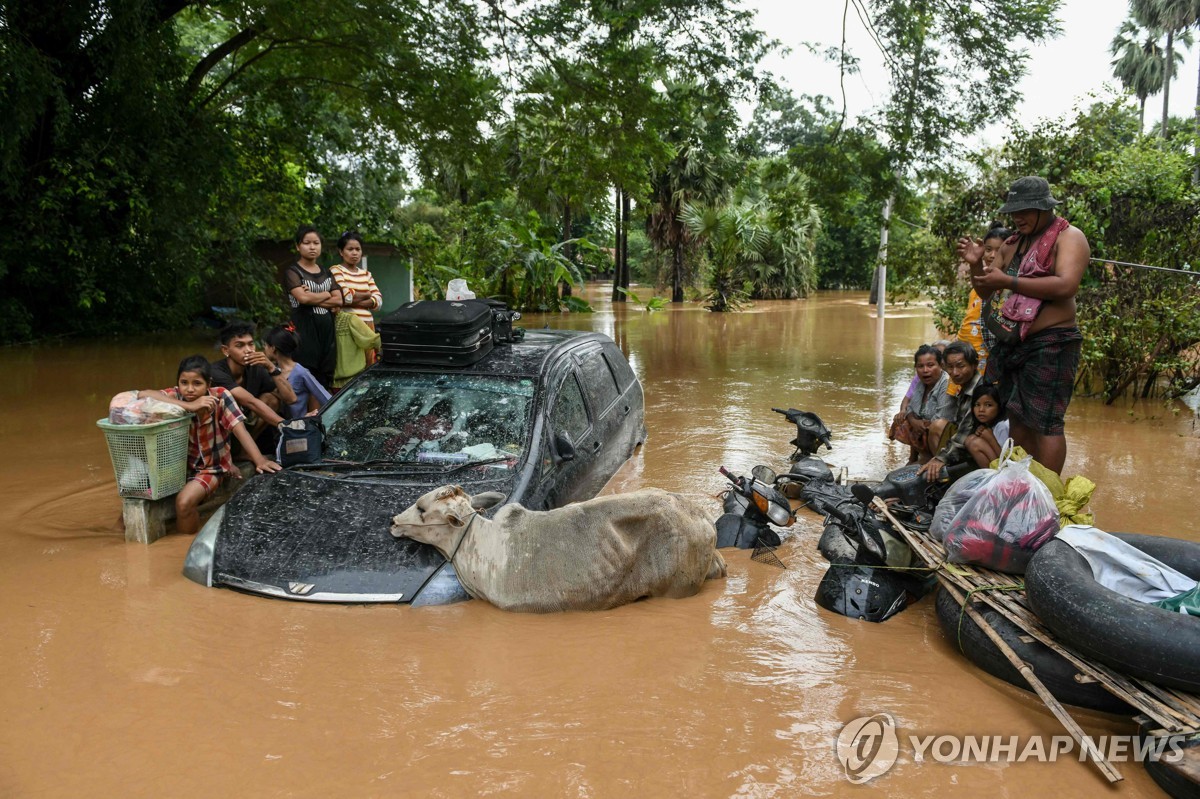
[[488, 499]]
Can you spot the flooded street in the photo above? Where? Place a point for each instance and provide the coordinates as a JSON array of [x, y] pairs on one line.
[[119, 677]]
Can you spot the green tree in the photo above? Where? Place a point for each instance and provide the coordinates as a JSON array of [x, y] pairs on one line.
[[954, 66], [1173, 17], [1139, 63], [144, 133], [734, 238], [701, 170], [631, 48]]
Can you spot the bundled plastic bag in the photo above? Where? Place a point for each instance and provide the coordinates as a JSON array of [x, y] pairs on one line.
[[1071, 497], [126, 408], [959, 494], [1010, 516]]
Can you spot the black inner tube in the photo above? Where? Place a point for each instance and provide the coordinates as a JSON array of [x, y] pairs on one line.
[[1134, 638], [1055, 672]]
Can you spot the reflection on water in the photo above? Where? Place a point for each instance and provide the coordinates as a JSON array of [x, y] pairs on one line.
[[120, 677]]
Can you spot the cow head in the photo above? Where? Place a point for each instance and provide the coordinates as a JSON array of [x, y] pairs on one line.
[[438, 517]]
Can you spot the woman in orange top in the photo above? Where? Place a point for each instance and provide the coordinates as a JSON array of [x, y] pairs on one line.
[[359, 292]]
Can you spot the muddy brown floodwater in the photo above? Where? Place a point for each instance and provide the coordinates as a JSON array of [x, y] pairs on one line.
[[121, 678]]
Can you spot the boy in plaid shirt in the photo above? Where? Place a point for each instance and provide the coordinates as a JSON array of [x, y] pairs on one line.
[[217, 417]]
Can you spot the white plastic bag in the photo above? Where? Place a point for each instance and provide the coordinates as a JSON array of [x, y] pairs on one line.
[[958, 495], [127, 408], [1011, 515], [457, 289]]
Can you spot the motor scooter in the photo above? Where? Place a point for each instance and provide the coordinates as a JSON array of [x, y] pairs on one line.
[[752, 504], [812, 480], [869, 582]]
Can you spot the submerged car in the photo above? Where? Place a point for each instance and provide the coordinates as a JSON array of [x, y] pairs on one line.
[[546, 421]]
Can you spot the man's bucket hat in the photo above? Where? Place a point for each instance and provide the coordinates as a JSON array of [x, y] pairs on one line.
[[1028, 192]]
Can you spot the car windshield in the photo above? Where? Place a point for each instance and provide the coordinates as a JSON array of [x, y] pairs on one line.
[[429, 418]]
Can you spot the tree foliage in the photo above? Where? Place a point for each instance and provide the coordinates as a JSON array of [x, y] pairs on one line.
[[1133, 198]]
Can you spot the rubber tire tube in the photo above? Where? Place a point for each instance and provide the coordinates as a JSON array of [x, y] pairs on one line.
[[1179, 780], [1135, 638], [1055, 671]]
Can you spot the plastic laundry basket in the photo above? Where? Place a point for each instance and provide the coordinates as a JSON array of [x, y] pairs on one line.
[[149, 460]]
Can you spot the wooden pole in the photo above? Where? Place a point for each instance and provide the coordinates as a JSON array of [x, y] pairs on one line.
[[1085, 743]]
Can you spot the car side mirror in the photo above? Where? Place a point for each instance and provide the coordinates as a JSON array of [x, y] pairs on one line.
[[563, 447]]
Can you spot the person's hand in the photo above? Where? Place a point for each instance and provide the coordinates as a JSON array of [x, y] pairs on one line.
[[313, 412], [970, 250], [201, 405], [931, 470], [991, 280], [257, 358], [265, 466]]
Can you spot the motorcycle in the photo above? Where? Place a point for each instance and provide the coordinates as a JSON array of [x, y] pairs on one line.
[[752, 504], [866, 581], [812, 480]]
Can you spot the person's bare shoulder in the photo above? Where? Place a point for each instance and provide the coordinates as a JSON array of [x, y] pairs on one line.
[[1073, 239]]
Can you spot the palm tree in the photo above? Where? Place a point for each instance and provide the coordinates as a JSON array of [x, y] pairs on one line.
[[1138, 63], [1172, 16], [700, 169], [735, 238]]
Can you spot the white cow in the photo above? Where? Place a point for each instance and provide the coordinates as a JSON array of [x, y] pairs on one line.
[[586, 556]]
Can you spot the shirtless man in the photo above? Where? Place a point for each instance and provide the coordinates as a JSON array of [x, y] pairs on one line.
[[1036, 375]]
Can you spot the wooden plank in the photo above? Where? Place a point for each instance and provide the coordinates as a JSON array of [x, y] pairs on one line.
[[1085, 742], [1007, 604]]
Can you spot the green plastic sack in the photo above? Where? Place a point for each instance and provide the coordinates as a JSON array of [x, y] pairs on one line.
[[1188, 602], [1070, 498]]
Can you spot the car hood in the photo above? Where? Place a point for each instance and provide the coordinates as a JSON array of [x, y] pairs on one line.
[[315, 536]]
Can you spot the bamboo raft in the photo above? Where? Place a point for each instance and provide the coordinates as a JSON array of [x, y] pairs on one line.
[[1162, 711]]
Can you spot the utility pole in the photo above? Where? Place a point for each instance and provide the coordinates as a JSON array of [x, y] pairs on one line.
[[881, 299]]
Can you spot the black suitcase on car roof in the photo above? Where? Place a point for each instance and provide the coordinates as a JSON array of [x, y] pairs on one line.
[[437, 332]]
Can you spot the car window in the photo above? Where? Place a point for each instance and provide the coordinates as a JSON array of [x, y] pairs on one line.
[[569, 414], [619, 366], [601, 384], [453, 418]]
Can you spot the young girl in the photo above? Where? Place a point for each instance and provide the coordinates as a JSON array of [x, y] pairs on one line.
[[973, 330], [983, 444], [354, 341], [314, 296], [359, 292], [280, 345], [210, 458]]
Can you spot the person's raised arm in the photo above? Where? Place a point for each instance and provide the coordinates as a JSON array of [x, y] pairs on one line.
[[249, 402], [206, 403], [282, 387], [1071, 259]]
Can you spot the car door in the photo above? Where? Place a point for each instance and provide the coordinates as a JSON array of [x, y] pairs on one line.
[[567, 443]]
